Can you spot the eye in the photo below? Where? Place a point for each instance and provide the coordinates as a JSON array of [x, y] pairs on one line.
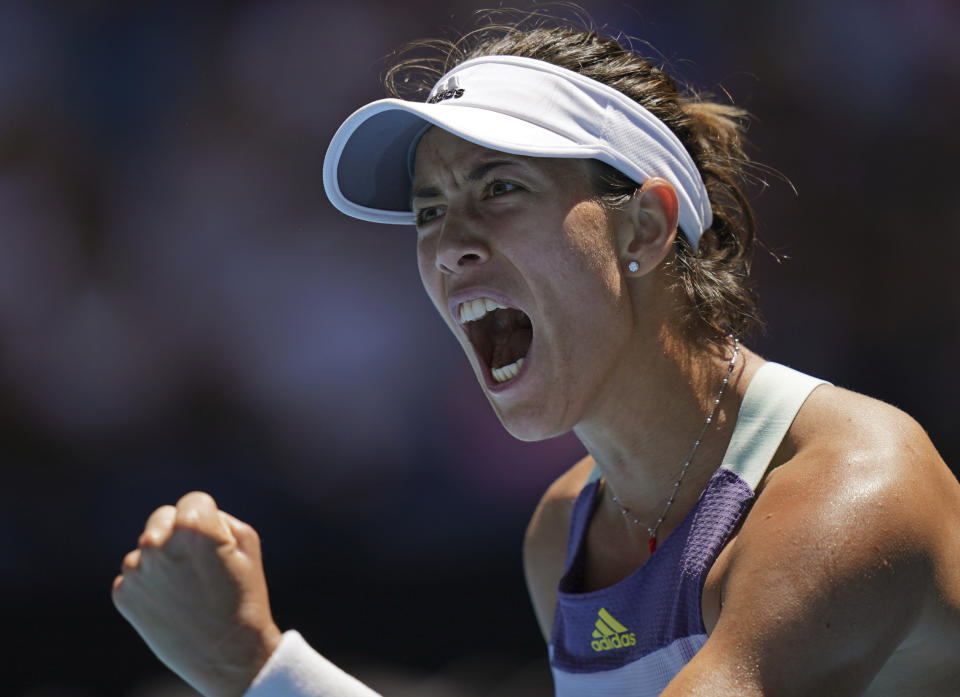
[[499, 187], [428, 214]]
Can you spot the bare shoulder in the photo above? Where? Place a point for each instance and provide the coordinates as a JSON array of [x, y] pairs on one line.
[[545, 543], [855, 538], [883, 466], [852, 452], [869, 469]]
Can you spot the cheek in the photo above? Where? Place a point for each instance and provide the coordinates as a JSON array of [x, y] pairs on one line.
[[588, 237], [430, 276]]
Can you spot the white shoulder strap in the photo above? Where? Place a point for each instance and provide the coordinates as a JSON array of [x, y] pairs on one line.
[[594, 475], [773, 398]]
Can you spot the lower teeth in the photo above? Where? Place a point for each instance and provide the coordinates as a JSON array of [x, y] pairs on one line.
[[507, 372]]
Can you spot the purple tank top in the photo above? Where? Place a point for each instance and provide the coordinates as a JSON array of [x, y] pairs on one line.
[[632, 638]]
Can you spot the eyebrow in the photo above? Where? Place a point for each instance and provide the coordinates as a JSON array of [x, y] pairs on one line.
[[476, 174]]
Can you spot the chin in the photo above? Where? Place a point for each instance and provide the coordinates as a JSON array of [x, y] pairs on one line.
[[528, 425]]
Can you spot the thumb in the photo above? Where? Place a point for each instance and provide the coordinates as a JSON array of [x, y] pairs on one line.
[[248, 541]]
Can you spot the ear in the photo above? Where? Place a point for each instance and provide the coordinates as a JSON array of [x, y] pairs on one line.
[[648, 227]]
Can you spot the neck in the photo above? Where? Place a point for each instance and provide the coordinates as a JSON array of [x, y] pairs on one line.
[[643, 429]]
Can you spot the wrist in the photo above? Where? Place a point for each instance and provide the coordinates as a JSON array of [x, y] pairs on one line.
[[235, 676], [271, 638]]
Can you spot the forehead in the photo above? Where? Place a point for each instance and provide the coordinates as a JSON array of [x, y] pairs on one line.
[[440, 153], [438, 146]]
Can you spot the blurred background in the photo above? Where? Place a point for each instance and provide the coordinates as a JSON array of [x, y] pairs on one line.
[[181, 308]]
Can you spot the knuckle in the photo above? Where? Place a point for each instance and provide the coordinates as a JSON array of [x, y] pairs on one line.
[[188, 520], [193, 510], [164, 514], [148, 539], [158, 528], [195, 499], [131, 561]]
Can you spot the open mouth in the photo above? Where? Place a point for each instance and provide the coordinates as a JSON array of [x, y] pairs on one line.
[[500, 335]]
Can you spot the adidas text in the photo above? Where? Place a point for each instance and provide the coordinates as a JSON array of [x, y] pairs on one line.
[[446, 94], [617, 641]]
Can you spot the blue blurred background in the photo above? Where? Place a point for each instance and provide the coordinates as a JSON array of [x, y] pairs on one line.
[[181, 308]]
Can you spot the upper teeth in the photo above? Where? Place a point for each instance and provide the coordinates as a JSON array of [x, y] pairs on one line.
[[478, 307]]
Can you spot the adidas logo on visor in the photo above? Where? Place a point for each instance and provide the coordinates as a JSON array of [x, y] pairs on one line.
[[610, 634], [451, 90]]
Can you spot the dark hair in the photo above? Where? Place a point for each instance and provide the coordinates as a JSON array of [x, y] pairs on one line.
[[714, 278]]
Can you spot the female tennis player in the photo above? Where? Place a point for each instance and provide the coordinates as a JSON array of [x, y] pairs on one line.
[[738, 528]]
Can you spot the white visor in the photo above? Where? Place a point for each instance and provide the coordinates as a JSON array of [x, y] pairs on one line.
[[516, 105]]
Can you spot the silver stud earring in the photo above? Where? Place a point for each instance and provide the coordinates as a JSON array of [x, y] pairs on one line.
[[633, 267]]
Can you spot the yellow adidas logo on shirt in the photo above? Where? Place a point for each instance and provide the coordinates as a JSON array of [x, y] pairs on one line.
[[610, 634]]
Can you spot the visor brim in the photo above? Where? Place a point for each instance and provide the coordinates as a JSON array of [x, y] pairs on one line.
[[368, 166]]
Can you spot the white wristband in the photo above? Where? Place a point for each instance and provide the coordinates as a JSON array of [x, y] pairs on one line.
[[296, 670]]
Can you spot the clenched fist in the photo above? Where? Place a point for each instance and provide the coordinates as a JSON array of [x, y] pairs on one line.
[[194, 589]]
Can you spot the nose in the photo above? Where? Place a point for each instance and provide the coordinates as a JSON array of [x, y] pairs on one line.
[[460, 246]]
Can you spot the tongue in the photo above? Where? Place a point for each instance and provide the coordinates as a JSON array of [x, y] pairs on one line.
[[511, 335]]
